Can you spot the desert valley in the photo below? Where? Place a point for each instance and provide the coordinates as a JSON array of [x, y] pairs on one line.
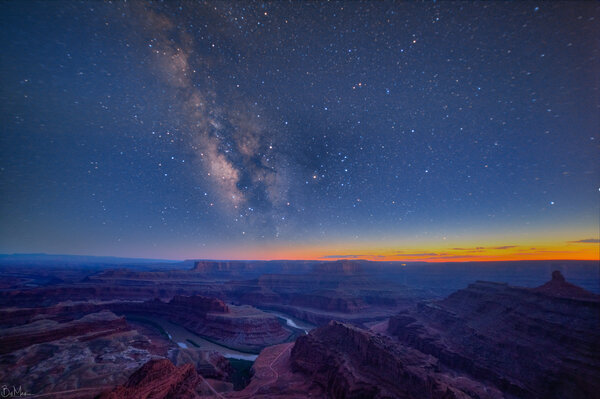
[[296, 329]]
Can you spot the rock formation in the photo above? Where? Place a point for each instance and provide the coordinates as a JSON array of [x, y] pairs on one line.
[[159, 379], [79, 358], [88, 327], [531, 343], [348, 362], [240, 327], [559, 287], [209, 364], [198, 304]]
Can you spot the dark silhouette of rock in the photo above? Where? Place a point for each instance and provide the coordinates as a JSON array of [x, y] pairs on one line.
[[557, 276], [531, 343], [559, 287]]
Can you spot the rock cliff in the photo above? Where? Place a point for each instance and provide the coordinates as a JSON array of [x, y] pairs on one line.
[[198, 304], [159, 379], [531, 343], [88, 327], [348, 362], [77, 359], [240, 327]]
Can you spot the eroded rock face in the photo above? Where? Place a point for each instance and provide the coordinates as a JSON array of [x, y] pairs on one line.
[[241, 327], [62, 312], [88, 327], [349, 362], [331, 291], [531, 343], [209, 364], [84, 356], [159, 379], [315, 291], [80, 357], [199, 304]]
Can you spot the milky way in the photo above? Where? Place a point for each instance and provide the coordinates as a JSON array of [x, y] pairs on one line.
[[303, 129]]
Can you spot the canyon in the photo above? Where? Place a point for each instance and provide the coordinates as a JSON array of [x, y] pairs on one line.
[[341, 329]]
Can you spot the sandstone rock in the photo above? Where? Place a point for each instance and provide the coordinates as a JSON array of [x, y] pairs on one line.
[[240, 327], [159, 379], [531, 343], [76, 359], [273, 378], [199, 304], [348, 362], [88, 327]]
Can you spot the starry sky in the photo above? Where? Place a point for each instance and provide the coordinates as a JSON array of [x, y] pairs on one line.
[[246, 130]]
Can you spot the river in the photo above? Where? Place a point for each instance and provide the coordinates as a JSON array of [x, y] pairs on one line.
[[187, 339], [294, 323]]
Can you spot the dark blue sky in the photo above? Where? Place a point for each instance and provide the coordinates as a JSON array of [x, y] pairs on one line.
[[235, 129]]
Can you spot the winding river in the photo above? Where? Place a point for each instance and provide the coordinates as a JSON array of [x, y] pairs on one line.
[[187, 339], [294, 323]]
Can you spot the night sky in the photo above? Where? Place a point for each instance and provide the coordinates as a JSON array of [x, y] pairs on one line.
[[240, 130]]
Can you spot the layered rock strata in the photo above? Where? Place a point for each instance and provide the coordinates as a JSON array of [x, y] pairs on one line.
[[530, 343], [348, 362], [240, 327], [159, 379]]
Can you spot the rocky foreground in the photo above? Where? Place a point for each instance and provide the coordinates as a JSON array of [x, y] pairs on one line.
[[158, 379], [94, 352]]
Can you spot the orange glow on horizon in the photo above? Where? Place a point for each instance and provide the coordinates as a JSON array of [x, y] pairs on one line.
[[566, 250]]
